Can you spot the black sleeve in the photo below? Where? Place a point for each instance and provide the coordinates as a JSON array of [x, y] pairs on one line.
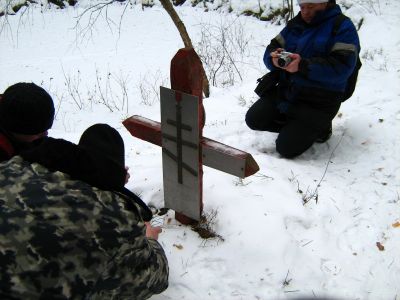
[[273, 45], [3, 155], [145, 211]]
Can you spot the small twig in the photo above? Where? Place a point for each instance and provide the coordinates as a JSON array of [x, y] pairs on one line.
[[330, 157], [183, 274], [263, 176], [240, 182], [94, 12], [293, 178], [121, 17], [287, 281], [307, 243], [314, 194]]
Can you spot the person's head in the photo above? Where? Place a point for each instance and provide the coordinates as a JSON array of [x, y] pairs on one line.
[[26, 111], [309, 8], [107, 149]]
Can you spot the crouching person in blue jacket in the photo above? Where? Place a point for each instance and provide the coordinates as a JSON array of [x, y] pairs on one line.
[[69, 229], [312, 62]]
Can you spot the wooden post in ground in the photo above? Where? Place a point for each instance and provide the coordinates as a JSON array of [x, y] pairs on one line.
[[185, 150]]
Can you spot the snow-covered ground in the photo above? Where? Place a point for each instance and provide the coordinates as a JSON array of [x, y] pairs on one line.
[[272, 246]]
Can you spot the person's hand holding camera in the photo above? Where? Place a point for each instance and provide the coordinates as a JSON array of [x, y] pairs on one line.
[[286, 60], [275, 55]]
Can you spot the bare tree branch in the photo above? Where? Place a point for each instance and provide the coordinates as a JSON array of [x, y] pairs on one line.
[[185, 38]]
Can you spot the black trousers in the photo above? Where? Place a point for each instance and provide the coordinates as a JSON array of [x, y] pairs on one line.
[[298, 128]]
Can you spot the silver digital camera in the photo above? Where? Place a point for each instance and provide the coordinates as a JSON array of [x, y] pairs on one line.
[[284, 59]]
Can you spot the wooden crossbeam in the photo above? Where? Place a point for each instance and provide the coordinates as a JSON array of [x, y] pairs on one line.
[[215, 154]]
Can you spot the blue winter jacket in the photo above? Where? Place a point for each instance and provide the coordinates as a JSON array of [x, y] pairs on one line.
[[327, 59]]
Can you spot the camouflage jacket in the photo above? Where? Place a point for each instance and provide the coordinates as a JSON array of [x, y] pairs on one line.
[[64, 239]]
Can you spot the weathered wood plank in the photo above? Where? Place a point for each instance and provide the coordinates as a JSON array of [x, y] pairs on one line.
[[144, 129], [228, 159], [215, 154]]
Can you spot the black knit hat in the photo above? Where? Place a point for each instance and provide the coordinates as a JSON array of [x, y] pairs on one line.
[[26, 108], [106, 146]]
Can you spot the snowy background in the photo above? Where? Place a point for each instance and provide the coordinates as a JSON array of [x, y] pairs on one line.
[[272, 245]]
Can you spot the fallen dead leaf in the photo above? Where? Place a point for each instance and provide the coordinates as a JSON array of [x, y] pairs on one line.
[[396, 225], [178, 246], [380, 246]]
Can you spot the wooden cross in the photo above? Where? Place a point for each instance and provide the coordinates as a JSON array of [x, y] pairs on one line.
[[184, 149]]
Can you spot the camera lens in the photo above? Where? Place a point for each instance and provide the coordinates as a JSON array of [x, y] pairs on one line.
[[282, 62]]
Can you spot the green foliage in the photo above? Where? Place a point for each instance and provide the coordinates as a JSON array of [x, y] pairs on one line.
[[17, 7], [72, 2], [262, 14], [252, 13], [58, 3], [196, 2], [178, 2], [275, 14]]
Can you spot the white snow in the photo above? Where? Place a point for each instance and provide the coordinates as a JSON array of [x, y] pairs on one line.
[[272, 246]]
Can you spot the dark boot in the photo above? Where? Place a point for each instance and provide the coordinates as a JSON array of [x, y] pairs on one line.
[[325, 135]]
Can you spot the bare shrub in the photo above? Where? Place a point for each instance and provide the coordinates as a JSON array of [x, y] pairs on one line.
[[109, 90], [205, 227], [222, 49], [149, 87], [73, 85], [377, 58], [371, 6]]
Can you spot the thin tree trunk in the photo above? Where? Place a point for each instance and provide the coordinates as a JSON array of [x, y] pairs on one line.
[[185, 38]]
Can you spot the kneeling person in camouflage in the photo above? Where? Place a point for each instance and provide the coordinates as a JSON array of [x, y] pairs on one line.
[[70, 230]]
